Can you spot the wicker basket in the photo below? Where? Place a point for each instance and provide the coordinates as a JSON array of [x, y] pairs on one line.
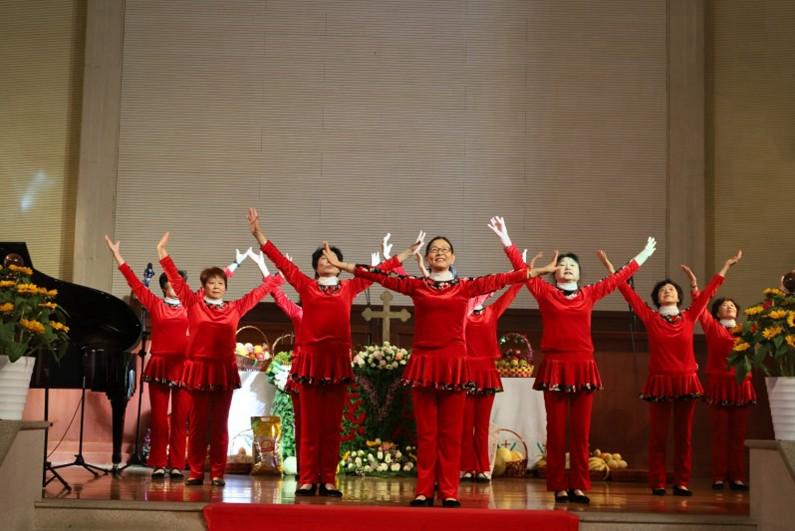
[[516, 469], [245, 363]]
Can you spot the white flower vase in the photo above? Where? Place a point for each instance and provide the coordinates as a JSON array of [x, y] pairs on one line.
[[14, 384], [781, 393]]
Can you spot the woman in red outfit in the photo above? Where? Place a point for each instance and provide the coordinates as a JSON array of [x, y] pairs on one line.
[[437, 370], [210, 373], [568, 374], [482, 353], [323, 367], [672, 384], [729, 402]]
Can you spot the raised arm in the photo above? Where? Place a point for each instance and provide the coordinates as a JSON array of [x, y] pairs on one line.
[[503, 301], [250, 299], [489, 283], [700, 302], [142, 293], [229, 270], [181, 288], [285, 304]]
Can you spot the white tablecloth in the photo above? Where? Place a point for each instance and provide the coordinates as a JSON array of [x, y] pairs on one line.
[[254, 398], [521, 409]]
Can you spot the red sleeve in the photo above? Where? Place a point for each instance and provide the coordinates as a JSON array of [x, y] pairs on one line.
[[501, 304], [606, 286], [360, 284], [290, 309], [636, 303], [228, 271], [405, 285], [144, 295], [294, 276], [700, 303], [181, 288], [489, 283], [515, 257], [250, 299]]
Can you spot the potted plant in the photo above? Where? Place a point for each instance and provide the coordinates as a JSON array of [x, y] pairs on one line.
[[30, 322], [766, 342]]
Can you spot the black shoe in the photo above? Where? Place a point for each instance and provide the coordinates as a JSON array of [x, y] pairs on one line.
[[680, 490], [218, 482], [658, 491], [331, 493], [578, 498], [307, 491], [421, 502], [194, 481], [717, 485], [468, 476], [176, 473], [482, 478], [451, 503], [738, 485], [562, 498], [159, 473]]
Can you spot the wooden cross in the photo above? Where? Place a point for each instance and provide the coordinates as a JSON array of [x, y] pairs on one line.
[[386, 315]]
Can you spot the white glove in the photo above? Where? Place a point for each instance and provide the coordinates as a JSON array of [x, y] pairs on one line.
[[497, 224], [239, 258], [375, 259], [386, 247], [651, 246], [259, 259], [419, 242], [524, 256]]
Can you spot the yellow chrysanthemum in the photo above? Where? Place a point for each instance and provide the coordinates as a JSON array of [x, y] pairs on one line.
[[771, 332], [52, 293], [791, 340], [27, 288], [740, 347], [778, 314], [50, 305], [791, 320], [32, 325], [59, 326], [736, 330], [773, 291], [7, 283], [7, 307], [754, 310], [21, 269]]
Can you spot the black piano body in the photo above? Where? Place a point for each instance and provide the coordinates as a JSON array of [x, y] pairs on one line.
[[103, 329]]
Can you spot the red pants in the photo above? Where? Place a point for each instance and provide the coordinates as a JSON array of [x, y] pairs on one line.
[[577, 406], [161, 434], [440, 417], [297, 427], [209, 409], [475, 435], [728, 426], [321, 424], [659, 417]]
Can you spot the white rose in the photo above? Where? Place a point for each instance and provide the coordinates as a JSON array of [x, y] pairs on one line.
[[358, 461], [368, 468], [398, 455], [408, 466], [395, 467], [383, 467], [380, 455], [387, 458]]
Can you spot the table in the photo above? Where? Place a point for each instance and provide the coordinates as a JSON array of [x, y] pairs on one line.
[[520, 408]]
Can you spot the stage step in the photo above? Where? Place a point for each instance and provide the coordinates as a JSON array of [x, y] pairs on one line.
[[93, 515]]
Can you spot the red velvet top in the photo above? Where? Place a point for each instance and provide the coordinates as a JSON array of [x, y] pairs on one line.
[[438, 357], [324, 335], [481, 327], [212, 328]]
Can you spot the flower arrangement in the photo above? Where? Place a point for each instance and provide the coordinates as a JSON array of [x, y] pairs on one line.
[[380, 458], [767, 339], [278, 373], [30, 319], [517, 356], [385, 357]]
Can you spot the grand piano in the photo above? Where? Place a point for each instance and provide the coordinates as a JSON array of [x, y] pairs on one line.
[[103, 329]]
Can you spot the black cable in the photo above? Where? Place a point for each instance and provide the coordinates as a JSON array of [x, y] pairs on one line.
[[65, 431]]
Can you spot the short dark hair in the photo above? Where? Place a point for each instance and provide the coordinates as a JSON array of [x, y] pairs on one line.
[[573, 257], [164, 278], [428, 246], [212, 272], [319, 252], [658, 286], [720, 300]]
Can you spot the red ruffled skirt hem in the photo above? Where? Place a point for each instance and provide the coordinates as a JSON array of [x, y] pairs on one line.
[[726, 392], [662, 387], [164, 370], [568, 376], [331, 366], [445, 373], [483, 376], [210, 375]]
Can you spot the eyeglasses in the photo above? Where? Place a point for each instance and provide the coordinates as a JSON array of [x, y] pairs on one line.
[[440, 250]]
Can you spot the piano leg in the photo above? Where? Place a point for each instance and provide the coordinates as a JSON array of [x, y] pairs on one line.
[[118, 404]]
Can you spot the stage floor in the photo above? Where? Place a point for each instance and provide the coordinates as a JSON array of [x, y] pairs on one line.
[[606, 497]]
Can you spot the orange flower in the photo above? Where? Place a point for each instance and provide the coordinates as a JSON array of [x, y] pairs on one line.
[[7, 283], [59, 326], [791, 320], [32, 325], [7, 307], [791, 340], [27, 288], [771, 332], [21, 269], [777, 314], [50, 305], [754, 310], [742, 346]]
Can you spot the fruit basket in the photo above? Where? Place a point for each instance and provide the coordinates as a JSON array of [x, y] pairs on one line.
[[517, 356], [511, 460], [252, 356]]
